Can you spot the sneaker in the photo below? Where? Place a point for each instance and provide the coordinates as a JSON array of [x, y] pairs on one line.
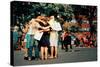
[[29, 59], [25, 58]]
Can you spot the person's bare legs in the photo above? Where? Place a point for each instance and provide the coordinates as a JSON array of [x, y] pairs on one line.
[[25, 49], [42, 53], [55, 52], [26, 53], [46, 53], [52, 51]]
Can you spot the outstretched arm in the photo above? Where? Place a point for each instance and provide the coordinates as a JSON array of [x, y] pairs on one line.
[[45, 30], [39, 20]]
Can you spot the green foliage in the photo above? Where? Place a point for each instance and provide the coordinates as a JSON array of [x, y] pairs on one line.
[[24, 11], [36, 9]]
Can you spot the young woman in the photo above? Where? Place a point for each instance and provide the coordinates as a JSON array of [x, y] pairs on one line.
[[53, 39], [44, 42]]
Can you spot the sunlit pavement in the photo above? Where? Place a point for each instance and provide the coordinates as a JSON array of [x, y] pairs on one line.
[[76, 55]]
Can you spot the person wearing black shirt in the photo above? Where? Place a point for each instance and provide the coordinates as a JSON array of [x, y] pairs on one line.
[[67, 41]]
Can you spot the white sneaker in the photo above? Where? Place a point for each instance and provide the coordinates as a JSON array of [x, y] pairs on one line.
[[29, 59]]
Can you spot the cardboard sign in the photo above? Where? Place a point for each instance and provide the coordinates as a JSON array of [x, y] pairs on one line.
[[38, 35]]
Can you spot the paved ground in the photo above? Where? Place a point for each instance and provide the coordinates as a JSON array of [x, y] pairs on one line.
[[78, 55]]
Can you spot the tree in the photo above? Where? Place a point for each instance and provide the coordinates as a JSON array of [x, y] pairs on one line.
[[22, 10]]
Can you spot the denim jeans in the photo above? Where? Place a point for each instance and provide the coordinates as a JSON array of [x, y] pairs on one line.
[[33, 44], [30, 51], [36, 49]]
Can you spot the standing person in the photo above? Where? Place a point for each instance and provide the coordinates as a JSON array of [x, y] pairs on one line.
[[85, 40], [35, 27], [44, 41], [29, 40], [24, 30], [33, 43], [73, 41], [77, 42], [53, 39], [81, 42], [62, 40], [15, 37], [67, 41]]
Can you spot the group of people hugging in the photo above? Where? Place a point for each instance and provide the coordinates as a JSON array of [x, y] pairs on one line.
[[39, 34]]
